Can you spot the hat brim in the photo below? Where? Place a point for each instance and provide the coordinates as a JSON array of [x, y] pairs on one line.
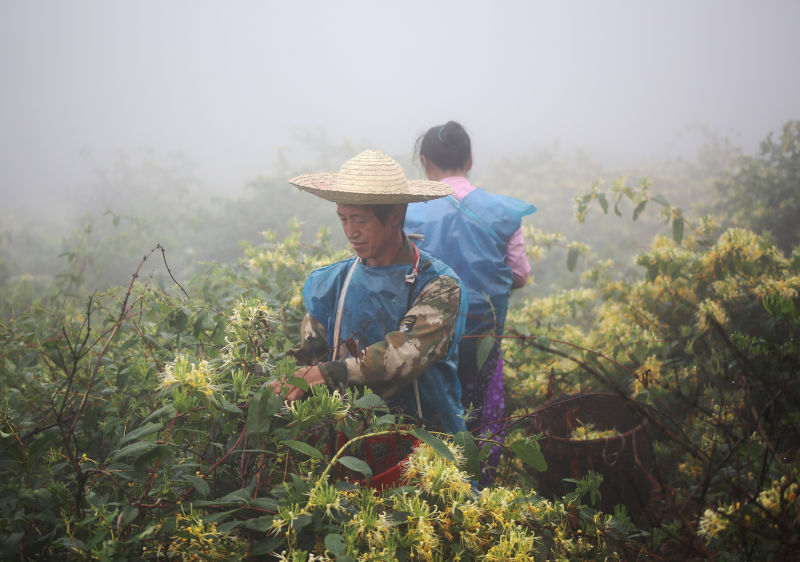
[[324, 185]]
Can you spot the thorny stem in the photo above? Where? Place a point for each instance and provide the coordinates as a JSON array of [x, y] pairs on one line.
[[154, 472], [220, 460], [570, 344], [148, 345], [164, 257], [262, 458], [123, 315], [77, 355]]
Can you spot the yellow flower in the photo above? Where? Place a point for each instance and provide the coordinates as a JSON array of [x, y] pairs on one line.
[[190, 377], [711, 524]]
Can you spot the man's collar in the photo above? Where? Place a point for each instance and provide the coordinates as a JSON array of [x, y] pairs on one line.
[[406, 253]]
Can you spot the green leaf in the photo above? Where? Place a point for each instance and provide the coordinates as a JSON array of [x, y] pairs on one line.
[[530, 453], [152, 457], [335, 543], [299, 382], [356, 464], [270, 504], [660, 200], [168, 410], [263, 405], [146, 429], [300, 521], [200, 485], [228, 526], [134, 449], [228, 406], [677, 229], [179, 319], [485, 346], [386, 419], [304, 448], [601, 198], [466, 441], [129, 513], [266, 546], [370, 400], [263, 523], [639, 208], [572, 258], [242, 495], [205, 323], [93, 541], [300, 486], [438, 445]]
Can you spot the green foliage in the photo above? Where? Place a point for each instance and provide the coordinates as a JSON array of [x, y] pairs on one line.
[[530, 453], [762, 192], [137, 422], [550, 179], [704, 346]]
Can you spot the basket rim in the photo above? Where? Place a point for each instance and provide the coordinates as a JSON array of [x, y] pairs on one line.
[[618, 436]]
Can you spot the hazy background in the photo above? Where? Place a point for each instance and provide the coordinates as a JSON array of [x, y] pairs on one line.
[[229, 84]]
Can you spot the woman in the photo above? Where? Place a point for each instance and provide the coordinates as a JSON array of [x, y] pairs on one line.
[[479, 235]]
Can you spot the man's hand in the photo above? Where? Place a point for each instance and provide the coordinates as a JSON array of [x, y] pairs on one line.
[[312, 376]]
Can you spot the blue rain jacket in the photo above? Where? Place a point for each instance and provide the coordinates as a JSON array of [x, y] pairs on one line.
[[471, 236], [376, 301]]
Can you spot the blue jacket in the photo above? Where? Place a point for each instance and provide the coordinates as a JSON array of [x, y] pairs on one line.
[[376, 300], [471, 236]]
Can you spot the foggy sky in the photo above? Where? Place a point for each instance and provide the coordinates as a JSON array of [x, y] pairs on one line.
[[227, 83]]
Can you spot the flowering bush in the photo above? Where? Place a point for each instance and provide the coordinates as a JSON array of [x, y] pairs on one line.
[[137, 423], [705, 347]]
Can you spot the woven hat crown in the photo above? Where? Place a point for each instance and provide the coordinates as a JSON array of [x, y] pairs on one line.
[[372, 171], [370, 178]]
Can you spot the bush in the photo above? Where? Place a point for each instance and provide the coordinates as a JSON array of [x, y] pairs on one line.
[[137, 422], [705, 346], [762, 192]]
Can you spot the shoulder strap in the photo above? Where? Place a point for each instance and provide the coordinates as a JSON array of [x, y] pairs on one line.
[[411, 279], [340, 308]]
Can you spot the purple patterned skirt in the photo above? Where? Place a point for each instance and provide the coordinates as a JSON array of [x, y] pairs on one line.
[[482, 391]]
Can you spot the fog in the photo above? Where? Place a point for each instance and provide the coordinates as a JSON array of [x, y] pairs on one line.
[[229, 84]]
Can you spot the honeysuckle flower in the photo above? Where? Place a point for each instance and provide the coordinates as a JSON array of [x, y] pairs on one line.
[[190, 377]]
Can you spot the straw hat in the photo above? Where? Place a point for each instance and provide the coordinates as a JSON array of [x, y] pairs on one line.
[[370, 178]]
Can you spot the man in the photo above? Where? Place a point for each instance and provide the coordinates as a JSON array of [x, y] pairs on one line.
[[390, 317]]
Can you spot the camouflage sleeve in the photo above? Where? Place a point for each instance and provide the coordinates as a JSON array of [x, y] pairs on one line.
[[422, 338], [314, 341]]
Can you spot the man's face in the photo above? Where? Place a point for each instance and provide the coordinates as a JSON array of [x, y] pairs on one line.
[[372, 240]]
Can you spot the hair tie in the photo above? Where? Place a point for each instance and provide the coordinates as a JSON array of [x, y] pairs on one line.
[[441, 135]]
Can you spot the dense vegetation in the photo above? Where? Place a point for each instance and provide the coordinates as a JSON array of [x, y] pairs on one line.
[[652, 393]]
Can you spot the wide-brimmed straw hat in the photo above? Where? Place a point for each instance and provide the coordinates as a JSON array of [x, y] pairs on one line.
[[370, 178]]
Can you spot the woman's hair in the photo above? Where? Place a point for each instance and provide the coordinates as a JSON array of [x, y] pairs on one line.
[[447, 146]]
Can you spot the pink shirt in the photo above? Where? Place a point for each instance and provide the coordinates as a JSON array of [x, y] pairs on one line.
[[515, 251]]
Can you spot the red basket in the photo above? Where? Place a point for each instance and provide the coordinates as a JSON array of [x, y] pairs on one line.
[[385, 455]]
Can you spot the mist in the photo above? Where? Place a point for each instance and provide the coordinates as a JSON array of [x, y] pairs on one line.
[[235, 87]]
